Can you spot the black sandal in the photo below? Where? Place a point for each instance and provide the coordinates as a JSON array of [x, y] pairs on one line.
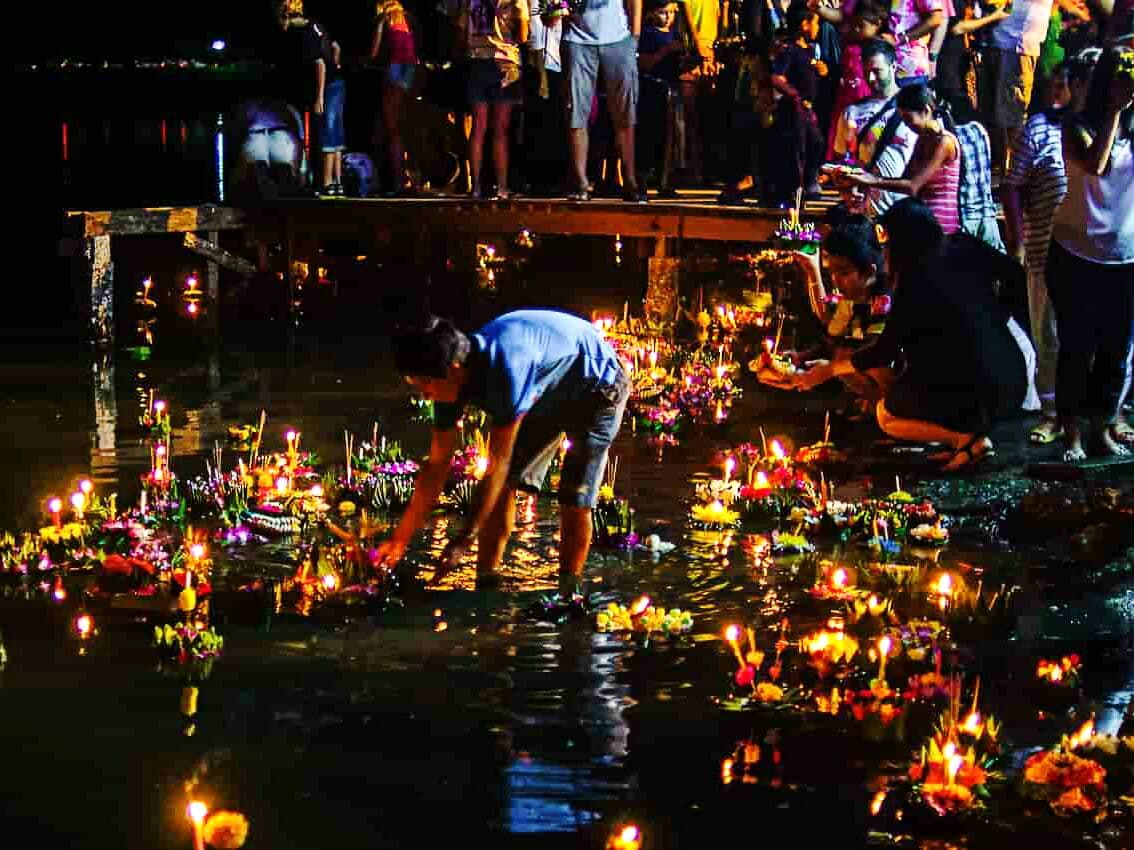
[[971, 454]]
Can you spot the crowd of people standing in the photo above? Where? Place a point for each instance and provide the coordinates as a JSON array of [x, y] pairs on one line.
[[913, 110]]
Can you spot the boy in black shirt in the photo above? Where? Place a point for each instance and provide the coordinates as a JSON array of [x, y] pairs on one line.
[[796, 70]]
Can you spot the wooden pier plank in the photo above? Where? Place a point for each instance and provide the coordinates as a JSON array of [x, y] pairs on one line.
[[682, 219]]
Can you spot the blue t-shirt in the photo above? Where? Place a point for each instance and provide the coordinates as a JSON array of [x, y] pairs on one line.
[[600, 22], [532, 361]]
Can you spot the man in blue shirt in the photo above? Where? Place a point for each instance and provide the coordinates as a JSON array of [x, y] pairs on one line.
[[538, 374]]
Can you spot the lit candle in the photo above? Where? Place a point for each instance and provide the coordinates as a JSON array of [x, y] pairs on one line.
[[729, 466], [884, 646], [197, 812], [760, 485], [732, 635], [78, 503], [55, 507], [952, 767], [86, 487], [628, 838]]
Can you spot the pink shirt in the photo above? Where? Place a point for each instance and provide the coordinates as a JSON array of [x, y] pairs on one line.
[[913, 57]]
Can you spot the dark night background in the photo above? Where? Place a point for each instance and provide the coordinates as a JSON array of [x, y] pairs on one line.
[[120, 31]]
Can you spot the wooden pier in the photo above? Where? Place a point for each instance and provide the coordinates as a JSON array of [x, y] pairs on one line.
[[693, 215]]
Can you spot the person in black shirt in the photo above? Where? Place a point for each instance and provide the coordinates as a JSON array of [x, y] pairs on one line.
[[962, 366], [305, 75], [796, 70]]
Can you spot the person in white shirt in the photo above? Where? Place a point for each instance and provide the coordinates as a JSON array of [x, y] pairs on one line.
[[1090, 267]]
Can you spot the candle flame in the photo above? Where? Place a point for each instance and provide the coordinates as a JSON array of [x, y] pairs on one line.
[[972, 723], [330, 580], [86, 486], [729, 466], [282, 484], [1083, 736], [777, 450], [197, 550], [640, 606], [197, 811], [945, 585], [159, 406], [952, 766], [762, 481], [885, 645], [732, 633], [481, 467], [839, 577], [317, 491], [55, 505], [78, 501], [83, 625], [876, 803], [290, 436]]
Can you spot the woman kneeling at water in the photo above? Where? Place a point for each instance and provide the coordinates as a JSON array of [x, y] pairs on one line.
[[963, 368]]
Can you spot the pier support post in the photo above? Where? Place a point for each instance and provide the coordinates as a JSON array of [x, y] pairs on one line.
[[661, 292], [212, 285], [100, 278]]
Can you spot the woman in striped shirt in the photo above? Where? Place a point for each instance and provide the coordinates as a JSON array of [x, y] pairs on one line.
[[934, 173], [1032, 191]]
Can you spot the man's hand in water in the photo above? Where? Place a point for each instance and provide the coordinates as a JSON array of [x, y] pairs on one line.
[[389, 552]]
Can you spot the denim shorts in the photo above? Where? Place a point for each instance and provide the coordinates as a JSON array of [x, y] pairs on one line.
[[591, 426], [332, 133], [619, 65], [486, 84], [400, 75]]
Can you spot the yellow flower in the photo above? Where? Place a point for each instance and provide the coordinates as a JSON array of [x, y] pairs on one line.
[[226, 830], [767, 692], [606, 493]]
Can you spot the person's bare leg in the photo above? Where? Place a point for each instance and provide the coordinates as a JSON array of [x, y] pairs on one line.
[[624, 136], [493, 537], [579, 141], [575, 530], [338, 170], [501, 121], [476, 143], [919, 431], [328, 169]]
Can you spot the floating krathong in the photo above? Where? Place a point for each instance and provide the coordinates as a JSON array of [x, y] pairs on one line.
[[1062, 673], [1070, 784], [643, 617]]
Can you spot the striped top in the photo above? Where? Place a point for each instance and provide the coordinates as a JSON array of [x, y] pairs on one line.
[[1037, 170], [941, 193]]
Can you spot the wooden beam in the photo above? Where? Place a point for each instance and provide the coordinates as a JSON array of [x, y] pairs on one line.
[[154, 220], [215, 253]]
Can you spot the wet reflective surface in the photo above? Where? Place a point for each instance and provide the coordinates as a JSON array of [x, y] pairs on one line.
[[457, 715]]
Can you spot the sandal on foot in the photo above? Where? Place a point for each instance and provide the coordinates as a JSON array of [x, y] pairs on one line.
[[1045, 433], [975, 451], [1075, 455]]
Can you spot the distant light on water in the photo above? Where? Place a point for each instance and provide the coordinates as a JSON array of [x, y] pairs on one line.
[[218, 45], [220, 156]]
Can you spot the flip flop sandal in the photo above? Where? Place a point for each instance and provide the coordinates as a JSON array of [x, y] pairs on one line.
[[977, 450], [1043, 434], [1074, 456]]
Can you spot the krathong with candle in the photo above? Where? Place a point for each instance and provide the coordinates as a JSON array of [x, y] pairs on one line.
[[225, 830], [1069, 783], [612, 516], [644, 618], [836, 582], [751, 687], [1061, 673]]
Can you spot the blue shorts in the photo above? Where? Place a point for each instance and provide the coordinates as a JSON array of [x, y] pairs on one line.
[[591, 425], [332, 133], [486, 84], [400, 75]]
